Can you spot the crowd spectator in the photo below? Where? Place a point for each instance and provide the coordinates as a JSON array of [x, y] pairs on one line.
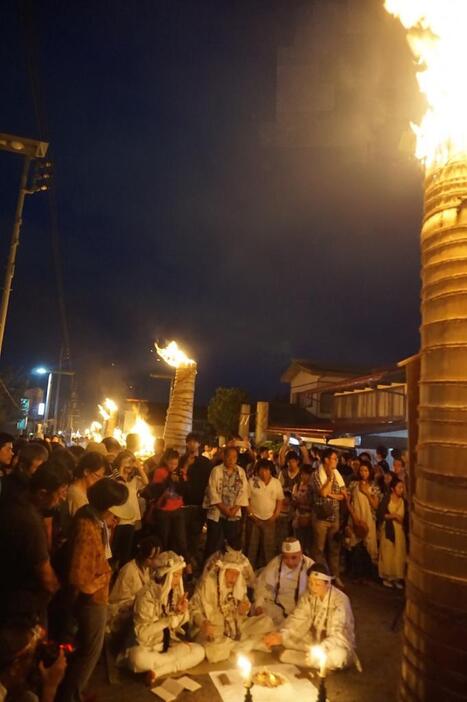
[[266, 496], [91, 468], [289, 477], [195, 472], [328, 490], [129, 471], [6, 452], [363, 500], [153, 461], [302, 503], [88, 578], [393, 523], [226, 494]]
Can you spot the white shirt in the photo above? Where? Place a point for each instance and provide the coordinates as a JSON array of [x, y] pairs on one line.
[[263, 498], [129, 512], [265, 590], [338, 477]]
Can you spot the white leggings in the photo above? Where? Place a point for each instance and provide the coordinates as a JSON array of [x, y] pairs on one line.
[[179, 657]]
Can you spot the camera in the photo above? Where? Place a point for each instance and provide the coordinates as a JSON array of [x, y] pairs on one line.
[[49, 651]]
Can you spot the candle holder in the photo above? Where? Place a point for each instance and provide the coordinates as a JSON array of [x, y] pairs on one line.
[[322, 694], [248, 696]]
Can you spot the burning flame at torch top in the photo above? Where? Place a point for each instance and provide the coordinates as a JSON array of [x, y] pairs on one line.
[[108, 408], [174, 356], [436, 36]]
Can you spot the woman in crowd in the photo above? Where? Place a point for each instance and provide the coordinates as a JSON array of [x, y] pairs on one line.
[[393, 523], [91, 468], [363, 500], [166, 511], [88, 578], [131, 578], [128, 470], [161, 609], [302, 502]]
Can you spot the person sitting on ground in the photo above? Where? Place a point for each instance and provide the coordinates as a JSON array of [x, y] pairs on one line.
[[161, 609], [282, 582], [264, 507], [323, 616], [248, 572], [220, 608], [131, 579], [18, 660], [91, 468]]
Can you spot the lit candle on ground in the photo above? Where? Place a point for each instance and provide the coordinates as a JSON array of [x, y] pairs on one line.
[[245, 668], [319, 654]]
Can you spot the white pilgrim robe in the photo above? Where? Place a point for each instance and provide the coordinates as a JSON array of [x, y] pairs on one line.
[[307, 626], [150, 620], [131, 579], [266, 584], [219, 606]]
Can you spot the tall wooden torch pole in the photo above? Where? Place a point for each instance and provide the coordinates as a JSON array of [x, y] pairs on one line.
[[179, 420], [435, 634]]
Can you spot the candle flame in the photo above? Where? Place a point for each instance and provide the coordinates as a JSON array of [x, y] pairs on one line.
[[317, 653], [174, 356], [436, 36], [244, 667]]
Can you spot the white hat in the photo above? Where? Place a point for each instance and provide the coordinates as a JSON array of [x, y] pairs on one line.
[[291, 546]]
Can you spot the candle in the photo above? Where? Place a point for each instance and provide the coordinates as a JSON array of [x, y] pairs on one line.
[[318, 653], [245, 667]]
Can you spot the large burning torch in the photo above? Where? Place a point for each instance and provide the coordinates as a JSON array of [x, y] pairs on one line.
[[179, 420], [435, 634]]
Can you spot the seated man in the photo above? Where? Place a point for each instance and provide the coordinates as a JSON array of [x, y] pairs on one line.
[[282, 582], [161, 609], [220, 607], [323, 616]]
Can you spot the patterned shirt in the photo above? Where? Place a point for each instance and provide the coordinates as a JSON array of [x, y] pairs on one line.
[[89, 570], [229, 488], [318, 479]]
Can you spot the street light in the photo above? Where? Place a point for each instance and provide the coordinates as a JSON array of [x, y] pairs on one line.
[[40, 370], [30, 149]]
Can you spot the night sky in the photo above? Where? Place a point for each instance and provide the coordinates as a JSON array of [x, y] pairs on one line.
[[228, 174]]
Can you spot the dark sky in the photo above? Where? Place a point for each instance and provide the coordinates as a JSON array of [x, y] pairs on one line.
[[227, 174]]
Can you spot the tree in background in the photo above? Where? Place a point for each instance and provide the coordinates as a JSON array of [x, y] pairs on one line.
[[224, 410]]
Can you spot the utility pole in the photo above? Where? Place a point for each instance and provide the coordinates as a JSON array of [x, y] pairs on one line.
[[29, 149]]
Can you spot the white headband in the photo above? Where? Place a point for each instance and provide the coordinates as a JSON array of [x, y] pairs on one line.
[[291, 546], [321, 576]]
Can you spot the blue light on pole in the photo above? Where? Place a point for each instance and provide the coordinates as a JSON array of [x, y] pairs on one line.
[[41, 371]]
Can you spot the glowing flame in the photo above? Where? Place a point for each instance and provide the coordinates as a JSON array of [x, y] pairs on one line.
[[318, 654], [436, 36], [94, 432], [119, 436], [244, 667], [108, 408], [174, 356], [146, 437]]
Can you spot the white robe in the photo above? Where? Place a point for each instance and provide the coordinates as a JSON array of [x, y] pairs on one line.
[[336, 634], [131, 579], [150, 620], [219, 606], [266, 583]]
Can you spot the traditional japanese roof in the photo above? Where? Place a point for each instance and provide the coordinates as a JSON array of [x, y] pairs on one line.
[[302, 364]]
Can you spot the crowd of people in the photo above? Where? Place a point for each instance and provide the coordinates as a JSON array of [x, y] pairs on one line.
[[193, 554]]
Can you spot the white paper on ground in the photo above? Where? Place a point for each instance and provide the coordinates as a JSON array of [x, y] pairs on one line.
[[293, 690], [188, 683], [169, 690]]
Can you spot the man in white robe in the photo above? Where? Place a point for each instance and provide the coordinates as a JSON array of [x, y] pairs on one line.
[[220, 608], [323, 616], [282, 582], [161, 609]]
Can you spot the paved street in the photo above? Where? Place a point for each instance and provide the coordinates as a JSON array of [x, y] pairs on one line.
[[375, 610]]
